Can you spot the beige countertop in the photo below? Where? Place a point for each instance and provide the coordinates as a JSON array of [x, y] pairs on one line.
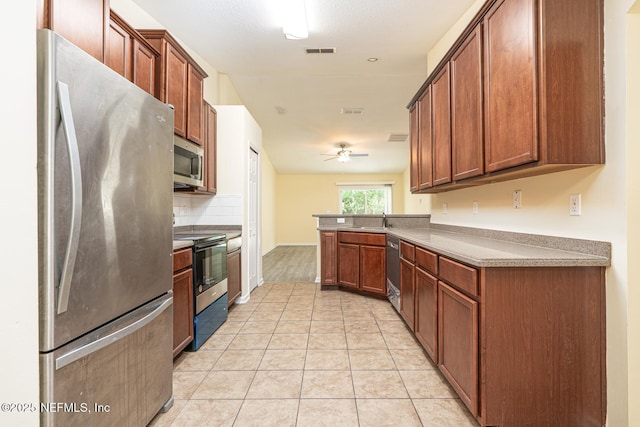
[[488, 248], [181, 244]]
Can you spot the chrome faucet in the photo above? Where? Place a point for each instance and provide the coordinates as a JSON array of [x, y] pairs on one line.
[[384, 220]]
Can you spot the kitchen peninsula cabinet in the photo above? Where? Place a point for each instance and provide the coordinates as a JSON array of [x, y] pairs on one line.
[[129, 54], [328, 258], [182, 300], [533, 71], [362, 261], [82, 22], [179, 82]]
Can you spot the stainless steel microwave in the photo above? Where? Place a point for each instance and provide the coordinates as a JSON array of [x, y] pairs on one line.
[[188, 164]]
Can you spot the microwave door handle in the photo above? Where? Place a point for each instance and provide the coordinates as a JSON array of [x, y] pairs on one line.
[[71, 252]]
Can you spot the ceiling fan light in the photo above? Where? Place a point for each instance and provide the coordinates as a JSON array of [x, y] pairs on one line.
[[344, 157], [294, 19]]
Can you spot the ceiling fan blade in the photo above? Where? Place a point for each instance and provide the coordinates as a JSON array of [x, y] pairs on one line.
[[358, 155], [330, 158]]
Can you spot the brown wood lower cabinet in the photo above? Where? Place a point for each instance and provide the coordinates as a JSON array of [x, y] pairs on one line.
[[407, 291], [328, 260], [234, 276], [182, 300], [426, 312], [458, 343], [362, 261]]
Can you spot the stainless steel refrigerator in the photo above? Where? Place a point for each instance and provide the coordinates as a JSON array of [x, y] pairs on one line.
[[105, 196]]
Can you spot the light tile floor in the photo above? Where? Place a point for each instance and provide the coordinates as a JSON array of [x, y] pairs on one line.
[[297, 356]]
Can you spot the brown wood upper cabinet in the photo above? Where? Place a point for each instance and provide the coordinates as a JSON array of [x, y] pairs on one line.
[[526, 81], [466, 108], [441, 122], [179, 82], [210, 182], [425, 141], [82, 22], [129, 54], [414, 153]]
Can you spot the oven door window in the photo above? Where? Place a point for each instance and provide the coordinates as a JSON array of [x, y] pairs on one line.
[[211, 266]]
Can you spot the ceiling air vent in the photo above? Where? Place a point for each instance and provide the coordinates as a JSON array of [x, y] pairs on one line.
[[354, 111], [397, 137], [318, 50]]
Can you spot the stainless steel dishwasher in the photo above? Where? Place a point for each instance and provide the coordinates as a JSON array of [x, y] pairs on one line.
[[393, 271]]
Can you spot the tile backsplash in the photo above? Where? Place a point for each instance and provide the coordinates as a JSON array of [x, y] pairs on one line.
[[223, 209]]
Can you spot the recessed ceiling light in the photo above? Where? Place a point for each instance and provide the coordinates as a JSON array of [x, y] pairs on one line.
[[372, 59]]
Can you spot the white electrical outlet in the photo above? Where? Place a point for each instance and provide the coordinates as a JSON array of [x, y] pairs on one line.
[[475, 208], [445, 208], [575, 205], [517, 199], [340, 220]]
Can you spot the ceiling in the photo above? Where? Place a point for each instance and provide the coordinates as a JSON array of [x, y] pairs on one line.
[[297, 98]]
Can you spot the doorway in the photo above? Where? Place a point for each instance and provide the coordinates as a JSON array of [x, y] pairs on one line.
[[253, 220]]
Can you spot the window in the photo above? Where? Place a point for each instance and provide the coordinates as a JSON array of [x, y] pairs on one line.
[[365, 199]]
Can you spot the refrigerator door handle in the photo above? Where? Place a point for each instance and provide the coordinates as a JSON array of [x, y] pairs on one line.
[[69, 262], [80, 352]]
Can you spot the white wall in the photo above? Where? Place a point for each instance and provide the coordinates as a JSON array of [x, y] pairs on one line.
[[238, 132], [605, 191], [19, 258], [633, 210]]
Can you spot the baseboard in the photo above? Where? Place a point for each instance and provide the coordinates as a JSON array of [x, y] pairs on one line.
[[242, 299]]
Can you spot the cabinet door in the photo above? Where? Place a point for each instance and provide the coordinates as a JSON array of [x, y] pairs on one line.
[[144, 67], [414, 176], [466, 108], [407, 289], [182, 310], [510, 78], [425, 141], [234, 276], [176, 88], [82, 22], [211, 153], [195, 97], [349, 264], [373, 269], [458, 343], [328, 270], [118, 49], [426, 315], [441, 122]]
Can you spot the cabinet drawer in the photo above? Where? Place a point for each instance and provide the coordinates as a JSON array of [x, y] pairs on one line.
[[426, 260], [376, 239], [459, 275], [182, 259], [407, 251]]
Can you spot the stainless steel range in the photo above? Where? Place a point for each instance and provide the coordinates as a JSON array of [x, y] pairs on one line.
[[209, 283]]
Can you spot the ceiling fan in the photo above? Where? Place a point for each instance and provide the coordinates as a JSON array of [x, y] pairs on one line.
[[343, 155]]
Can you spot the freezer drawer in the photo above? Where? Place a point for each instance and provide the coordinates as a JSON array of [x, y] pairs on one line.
[[120, 374]]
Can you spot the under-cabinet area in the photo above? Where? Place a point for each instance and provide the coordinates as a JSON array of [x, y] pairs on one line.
[[517, 330]]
